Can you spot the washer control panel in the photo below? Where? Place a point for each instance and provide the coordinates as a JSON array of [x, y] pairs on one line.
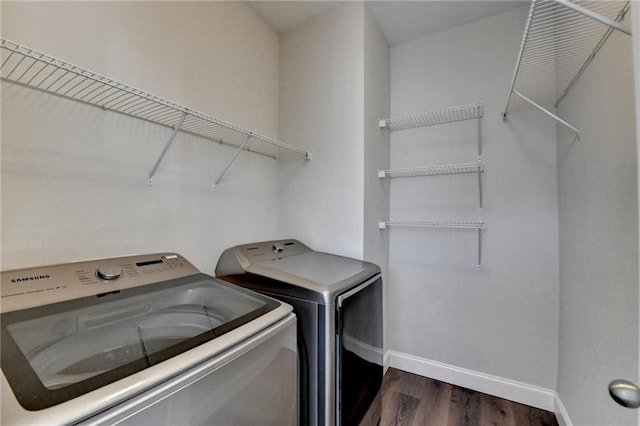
[[109, 272], [26, 288]]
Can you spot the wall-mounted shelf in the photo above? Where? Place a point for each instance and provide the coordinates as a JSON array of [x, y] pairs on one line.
[[431, 224], [445, 169], [27, 67], [560, 39], [432, 118], [479, 226]]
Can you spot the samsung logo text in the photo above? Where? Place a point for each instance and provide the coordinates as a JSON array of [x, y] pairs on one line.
[[33, 278]]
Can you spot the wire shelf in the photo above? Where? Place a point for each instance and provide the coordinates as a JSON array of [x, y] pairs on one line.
[[477, 226], [560, 40], [431, 118], [431, 224], [27, 67], [445, 169]]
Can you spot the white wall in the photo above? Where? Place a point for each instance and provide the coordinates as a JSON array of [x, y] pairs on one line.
[[376, 141], [334, 89], [635, 16], [598, 189], [74, 177], [376, 147], [498, 324], [321, 104]]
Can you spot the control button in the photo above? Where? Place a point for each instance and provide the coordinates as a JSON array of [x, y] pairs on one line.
[[109, 272], [277, 247]]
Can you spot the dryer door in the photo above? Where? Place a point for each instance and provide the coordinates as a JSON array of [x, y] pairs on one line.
[[359, 350]]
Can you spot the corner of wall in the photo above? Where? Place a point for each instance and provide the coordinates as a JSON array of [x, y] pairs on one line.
[[561, 413]]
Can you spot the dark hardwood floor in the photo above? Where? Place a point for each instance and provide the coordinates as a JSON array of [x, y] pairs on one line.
[[409, 399]]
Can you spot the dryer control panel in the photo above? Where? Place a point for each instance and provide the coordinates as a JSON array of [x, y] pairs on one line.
[[270, 250], [236, 260], [27, 288]]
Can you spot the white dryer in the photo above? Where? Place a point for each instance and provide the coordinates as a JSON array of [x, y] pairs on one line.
[[143, 340]]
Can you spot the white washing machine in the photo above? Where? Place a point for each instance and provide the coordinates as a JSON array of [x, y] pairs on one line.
[[143, 340]]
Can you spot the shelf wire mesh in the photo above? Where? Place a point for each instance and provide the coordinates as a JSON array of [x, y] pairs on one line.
[[27, 67], [557, 45], [431, 118], [445, 169], [433, 224]]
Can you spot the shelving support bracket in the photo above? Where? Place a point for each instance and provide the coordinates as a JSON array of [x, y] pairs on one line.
[[546, 111], [215, 185], [480, 168], [176, 129], [479, 248]]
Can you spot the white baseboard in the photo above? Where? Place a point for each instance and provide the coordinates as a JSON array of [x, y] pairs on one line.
[[387, 356], [523, 393], [561, 413]]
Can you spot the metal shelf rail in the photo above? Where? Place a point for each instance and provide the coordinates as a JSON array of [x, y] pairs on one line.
[[29, 68], [561, 38]]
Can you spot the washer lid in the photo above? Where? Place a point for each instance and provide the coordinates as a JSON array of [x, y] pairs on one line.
[[53, 353], [326, 275]]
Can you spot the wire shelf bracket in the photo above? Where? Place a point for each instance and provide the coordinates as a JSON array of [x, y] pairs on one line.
[[240, 148], [561, 38], [165, 149], [29, 68], [479, 226]]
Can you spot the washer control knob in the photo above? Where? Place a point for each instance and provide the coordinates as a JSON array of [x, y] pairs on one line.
[[109, 272], [277, 247]]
